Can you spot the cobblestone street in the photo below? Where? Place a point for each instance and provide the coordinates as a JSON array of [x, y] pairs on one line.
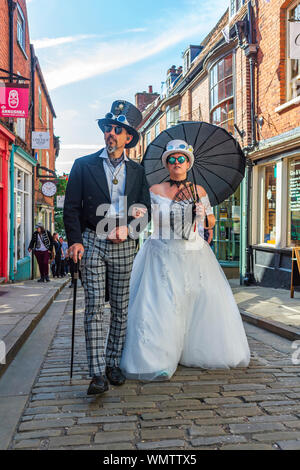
[[253, 408]]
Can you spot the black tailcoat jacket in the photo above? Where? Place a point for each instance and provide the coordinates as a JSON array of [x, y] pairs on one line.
[[87, 188]]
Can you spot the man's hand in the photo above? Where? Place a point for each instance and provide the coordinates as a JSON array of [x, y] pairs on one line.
[[138, 212], [118, 234], [76, 251]]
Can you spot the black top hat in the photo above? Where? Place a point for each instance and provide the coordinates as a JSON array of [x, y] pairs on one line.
[[126, 115]]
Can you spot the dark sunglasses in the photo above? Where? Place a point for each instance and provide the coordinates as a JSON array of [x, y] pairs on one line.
[[180, 159], [109, 128]]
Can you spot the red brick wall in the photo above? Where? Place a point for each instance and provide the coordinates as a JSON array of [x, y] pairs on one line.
[[40, 124], [4, 44], [271, 82], [22, 61]]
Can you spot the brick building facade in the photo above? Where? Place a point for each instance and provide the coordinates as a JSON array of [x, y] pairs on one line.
[[19, 194], [241, 78]]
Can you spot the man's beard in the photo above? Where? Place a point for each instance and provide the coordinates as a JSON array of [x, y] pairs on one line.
[[111, 145], [110, 148]]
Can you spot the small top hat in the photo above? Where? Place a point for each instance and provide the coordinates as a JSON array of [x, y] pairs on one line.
[[126, 115], [178, 146]]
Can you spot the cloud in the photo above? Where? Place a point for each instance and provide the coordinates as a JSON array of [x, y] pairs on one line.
[[53, 42], [107, 56], [45, 43], [69, 114], [79, 147]]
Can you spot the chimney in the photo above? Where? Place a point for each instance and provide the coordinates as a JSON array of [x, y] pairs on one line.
[[150, 89]]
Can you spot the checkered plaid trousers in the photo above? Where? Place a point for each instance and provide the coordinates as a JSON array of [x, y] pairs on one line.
[[105, 332]]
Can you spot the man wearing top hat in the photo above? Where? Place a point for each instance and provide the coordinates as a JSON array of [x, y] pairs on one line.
[[102, 200]]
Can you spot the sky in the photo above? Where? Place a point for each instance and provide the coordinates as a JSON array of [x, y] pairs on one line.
[[93, 52]]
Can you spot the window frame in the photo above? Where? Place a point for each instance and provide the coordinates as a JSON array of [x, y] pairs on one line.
[[289, 80], [40, 104], [228, 99], [21, 39], [234, 10]]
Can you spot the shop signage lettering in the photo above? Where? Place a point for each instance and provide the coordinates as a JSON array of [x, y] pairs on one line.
[[295, 186], [40, 140], [14, 100]]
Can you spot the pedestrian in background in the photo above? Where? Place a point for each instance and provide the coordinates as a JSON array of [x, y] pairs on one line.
[[42, 245], [58, 255], [64, 248]]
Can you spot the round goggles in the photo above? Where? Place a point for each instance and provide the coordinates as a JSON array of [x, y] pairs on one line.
[[118, 129], [120, 118], [180, 159]]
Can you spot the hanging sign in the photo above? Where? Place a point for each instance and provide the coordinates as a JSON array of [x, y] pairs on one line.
[[40, 140], [60, 201], [294, 39], [14, 100]]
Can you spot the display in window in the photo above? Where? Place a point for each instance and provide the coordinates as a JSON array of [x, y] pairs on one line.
[[270, 204], [294, 201]]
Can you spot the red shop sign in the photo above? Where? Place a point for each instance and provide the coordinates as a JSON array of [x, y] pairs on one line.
[[14, 100]]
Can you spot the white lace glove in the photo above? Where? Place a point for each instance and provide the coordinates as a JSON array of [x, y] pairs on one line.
[[200, 212]]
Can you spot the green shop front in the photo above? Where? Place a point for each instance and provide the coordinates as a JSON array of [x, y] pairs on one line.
[[21, 170]]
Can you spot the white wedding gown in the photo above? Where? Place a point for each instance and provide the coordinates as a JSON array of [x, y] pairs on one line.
[[181, 307]]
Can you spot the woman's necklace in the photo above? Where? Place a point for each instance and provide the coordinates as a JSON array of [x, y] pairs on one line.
[[178, 183], [114, 174]]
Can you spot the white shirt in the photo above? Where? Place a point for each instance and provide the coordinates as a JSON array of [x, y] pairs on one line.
[[116, 191]]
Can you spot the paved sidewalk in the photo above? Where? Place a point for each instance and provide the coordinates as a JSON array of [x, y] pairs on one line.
[[22, 305], [257, 407], [269, 308]]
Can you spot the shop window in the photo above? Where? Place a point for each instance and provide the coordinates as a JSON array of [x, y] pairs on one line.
[[22, 213], [294, 202], [221, 94], [268, 176], [293, 65], [226, 240]]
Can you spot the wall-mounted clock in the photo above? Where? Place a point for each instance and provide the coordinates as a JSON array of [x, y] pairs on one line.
[[49, 188]]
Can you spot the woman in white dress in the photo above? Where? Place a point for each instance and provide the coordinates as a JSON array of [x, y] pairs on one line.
[[181, 307]]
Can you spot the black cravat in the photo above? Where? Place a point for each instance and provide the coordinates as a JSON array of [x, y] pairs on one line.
[[115, 161]]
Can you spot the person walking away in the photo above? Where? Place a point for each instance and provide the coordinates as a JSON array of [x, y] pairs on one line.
[[42, 245], [58, 255]]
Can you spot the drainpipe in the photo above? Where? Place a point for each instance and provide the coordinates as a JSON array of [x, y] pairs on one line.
[[11, 8], [250, 52], [12, 215], [33, 64]]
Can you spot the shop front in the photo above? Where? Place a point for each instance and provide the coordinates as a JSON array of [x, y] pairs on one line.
[[276, 217], [226, 239], [6, 138], [21, 215]]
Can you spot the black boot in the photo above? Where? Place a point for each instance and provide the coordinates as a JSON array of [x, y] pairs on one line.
[[47, 279], [42, 279], [98, 385], [115, 376]]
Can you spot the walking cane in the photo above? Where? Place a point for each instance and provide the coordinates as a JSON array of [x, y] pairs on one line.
[[75, 278]]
